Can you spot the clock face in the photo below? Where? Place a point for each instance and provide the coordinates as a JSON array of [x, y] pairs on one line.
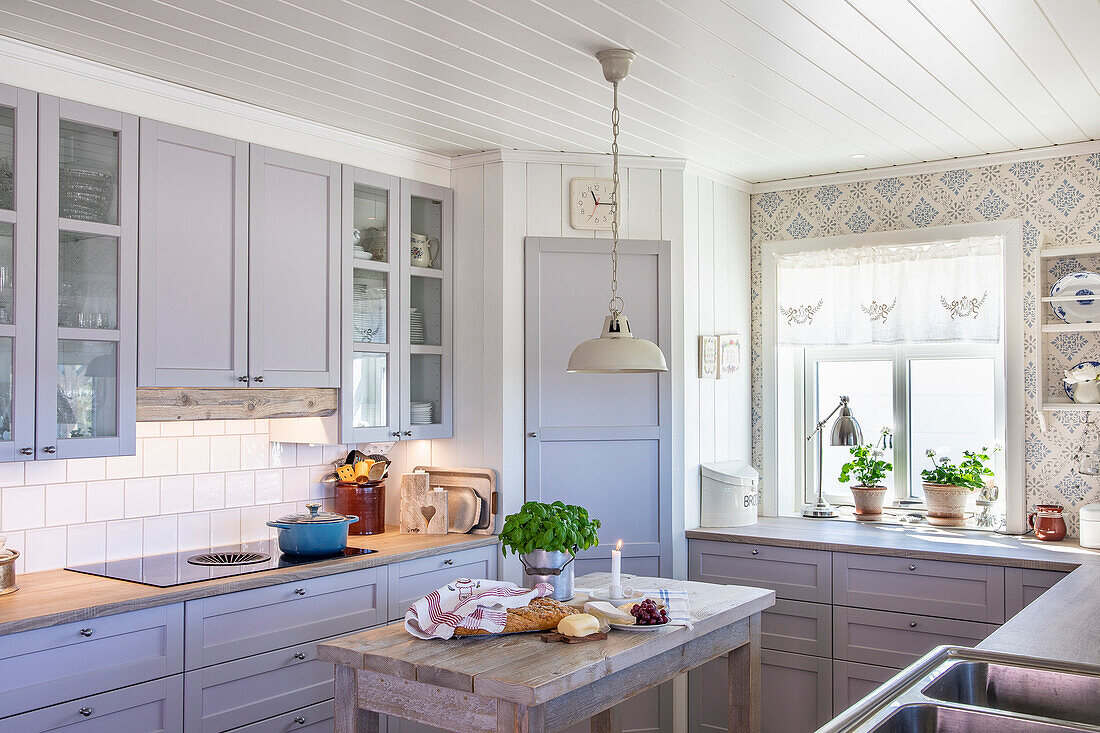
[[591, 203]]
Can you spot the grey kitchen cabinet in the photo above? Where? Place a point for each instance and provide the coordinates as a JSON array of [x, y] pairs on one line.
[[413, 579], [897, 640], [1023, 585], [239, 263], [319, 718], [853, 681], [794, 574], [150, 707], [799, 627], [293, 270], [796, 693], [68, 278], [193, 259], [59, 663]]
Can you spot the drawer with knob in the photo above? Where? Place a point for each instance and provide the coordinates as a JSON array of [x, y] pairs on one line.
[[413, 579], [895, 640], [317, 718], [226, 627], [68, 661], [227, 696], [150, 706], [965, 591], [793, 573]]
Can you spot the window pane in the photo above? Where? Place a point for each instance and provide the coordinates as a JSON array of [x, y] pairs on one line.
[[951, 409], [369, 298], [7, 272], [427, 232], [369, 219], [6, 364], [87, 281], [7, 162], [869, 385], [370, 382], [87, 388]]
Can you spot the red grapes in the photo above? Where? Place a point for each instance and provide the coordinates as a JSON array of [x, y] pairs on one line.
[[647, 613]]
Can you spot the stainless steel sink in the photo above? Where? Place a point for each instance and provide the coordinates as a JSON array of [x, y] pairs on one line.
[[959, 690], [923, 718], [1041, 692]]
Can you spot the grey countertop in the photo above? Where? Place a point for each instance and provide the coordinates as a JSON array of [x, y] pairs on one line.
[[1063, 624]]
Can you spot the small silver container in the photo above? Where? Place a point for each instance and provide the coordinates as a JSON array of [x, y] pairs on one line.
[[7, 571], [555, 568]]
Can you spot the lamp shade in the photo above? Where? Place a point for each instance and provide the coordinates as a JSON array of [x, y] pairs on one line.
[[846, 429], [617, 351]]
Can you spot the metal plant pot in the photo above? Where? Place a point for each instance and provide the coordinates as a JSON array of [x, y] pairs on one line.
[[555, 568]]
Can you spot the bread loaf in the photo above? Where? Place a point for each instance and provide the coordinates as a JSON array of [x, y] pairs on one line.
[[541, 614]]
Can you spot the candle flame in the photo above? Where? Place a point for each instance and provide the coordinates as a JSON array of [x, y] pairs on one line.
[[619, 545]]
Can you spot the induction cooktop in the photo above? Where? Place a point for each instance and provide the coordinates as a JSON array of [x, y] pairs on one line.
[[192, 566]]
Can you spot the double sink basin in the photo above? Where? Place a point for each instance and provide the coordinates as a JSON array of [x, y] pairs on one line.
[[961, 690]]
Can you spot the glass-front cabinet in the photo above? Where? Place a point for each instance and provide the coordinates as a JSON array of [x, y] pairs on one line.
[[87, 281]]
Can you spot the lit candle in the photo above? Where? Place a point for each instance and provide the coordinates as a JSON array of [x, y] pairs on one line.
[[616, 589]]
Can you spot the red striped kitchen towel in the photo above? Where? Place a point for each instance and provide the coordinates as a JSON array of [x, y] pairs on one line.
[[471, 604]]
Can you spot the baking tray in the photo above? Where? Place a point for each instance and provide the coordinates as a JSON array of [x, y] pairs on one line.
[[481, 480]]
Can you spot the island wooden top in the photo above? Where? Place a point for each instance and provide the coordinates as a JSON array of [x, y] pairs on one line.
[[60, 596], [523, 669], [920, 542]]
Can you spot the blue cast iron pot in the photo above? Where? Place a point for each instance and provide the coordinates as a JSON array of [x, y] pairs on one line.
[[315, 533]]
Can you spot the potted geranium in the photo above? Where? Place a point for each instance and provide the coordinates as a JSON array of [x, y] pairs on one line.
[[547, 537], [948, 485], [868, 469]]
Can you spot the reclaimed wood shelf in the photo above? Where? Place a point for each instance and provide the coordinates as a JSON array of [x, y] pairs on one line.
[[167, 404]]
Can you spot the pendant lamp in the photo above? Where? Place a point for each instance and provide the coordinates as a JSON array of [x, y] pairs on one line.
[[617, 350]]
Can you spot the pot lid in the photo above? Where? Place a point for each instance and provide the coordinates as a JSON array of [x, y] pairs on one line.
[[313, 516], [1091, 512]]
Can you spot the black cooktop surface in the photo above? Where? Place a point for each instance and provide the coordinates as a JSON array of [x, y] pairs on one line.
[[164, 571]]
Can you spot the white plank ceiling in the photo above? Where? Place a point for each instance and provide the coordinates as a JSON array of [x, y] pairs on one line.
[[761, 89]]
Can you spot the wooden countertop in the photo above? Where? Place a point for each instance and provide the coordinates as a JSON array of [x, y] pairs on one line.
[[60, 596], [921, 542]]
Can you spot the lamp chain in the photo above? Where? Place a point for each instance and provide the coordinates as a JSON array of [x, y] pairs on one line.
[[616, 303]]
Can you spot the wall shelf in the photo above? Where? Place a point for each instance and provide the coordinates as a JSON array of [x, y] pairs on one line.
[[1072, 250], [1069, 327]]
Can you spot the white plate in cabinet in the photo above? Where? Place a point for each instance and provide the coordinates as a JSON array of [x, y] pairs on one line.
[[799, 627], [151, 707], [928, 587], [234, 625], [57, 663], [853, 681], [317, 718], [793, 573], [414, 579], [238, 693], [1023, 585], [891, 639]]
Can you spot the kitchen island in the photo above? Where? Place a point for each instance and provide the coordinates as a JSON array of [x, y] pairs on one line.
[[518, 683]]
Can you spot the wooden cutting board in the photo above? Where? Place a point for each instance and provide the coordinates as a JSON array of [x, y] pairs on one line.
[[555, 636]]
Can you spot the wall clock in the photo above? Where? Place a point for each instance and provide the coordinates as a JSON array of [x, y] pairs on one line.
[[590, 203]]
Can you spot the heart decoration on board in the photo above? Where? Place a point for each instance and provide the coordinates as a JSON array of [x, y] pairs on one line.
[[428, 512]]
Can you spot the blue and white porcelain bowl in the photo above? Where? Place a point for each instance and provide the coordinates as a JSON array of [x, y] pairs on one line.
[[1085, 310]]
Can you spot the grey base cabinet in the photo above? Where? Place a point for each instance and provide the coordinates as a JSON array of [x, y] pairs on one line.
[[853, 681], [151, 707]]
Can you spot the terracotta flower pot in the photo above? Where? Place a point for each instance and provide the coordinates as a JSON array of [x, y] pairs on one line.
[[868, 501], [946, 504]]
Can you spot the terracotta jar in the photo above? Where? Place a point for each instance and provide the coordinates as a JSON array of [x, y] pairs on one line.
[[868, 501], [366, 501], [946, 504], [1047, 522]]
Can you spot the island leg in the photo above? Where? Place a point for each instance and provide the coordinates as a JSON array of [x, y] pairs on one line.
[[609, 721], [744, 682], [513, 718], [350, 718]]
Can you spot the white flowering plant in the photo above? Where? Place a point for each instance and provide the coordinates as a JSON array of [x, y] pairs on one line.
[[867, 465], [969, 473]]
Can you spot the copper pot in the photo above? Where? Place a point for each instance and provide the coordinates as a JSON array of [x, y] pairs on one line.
[[1047, 522]]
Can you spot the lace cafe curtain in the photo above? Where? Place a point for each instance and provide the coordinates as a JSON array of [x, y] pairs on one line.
[[941, 292]]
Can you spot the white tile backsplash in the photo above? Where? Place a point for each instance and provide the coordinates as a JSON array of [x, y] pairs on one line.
[[189, 485]]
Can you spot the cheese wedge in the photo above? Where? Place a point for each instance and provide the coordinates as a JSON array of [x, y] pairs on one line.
[[579, 624], [607, 613]]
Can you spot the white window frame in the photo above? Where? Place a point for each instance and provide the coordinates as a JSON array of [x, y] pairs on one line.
[[787, 500], [899, 356]]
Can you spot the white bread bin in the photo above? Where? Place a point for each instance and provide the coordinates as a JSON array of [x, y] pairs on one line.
[[728, 494], [1090, 526]]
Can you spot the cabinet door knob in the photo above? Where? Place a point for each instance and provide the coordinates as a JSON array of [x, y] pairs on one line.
[[258, 379], [912, 567], [86, 632], [27, 451], [396, 433], [86, 712], [408, 433], [50, 449], [299, 655], [756, 552], [242, 379], [300, 720], [299, 591], [449, 561], [532, 435], [912, 624]]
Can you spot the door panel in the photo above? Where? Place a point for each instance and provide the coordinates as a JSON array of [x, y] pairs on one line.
[[294, 270], [193, 258], [601, 441]]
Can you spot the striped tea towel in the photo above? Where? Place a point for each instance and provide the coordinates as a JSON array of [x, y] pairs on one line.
[[471, 604], [676, 603]]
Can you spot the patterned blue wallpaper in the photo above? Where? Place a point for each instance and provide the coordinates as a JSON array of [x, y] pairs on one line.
[[1056, 197]]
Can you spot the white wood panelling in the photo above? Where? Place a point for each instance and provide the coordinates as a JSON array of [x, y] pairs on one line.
[[760, 89]]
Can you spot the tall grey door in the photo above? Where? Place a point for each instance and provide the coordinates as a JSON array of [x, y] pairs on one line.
[[602, 441]]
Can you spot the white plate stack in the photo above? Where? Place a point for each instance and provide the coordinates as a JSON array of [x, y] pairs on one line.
[[420, 413], [369, 313], [416, 326]]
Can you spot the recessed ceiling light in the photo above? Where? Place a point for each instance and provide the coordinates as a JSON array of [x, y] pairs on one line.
[[858, 156]]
